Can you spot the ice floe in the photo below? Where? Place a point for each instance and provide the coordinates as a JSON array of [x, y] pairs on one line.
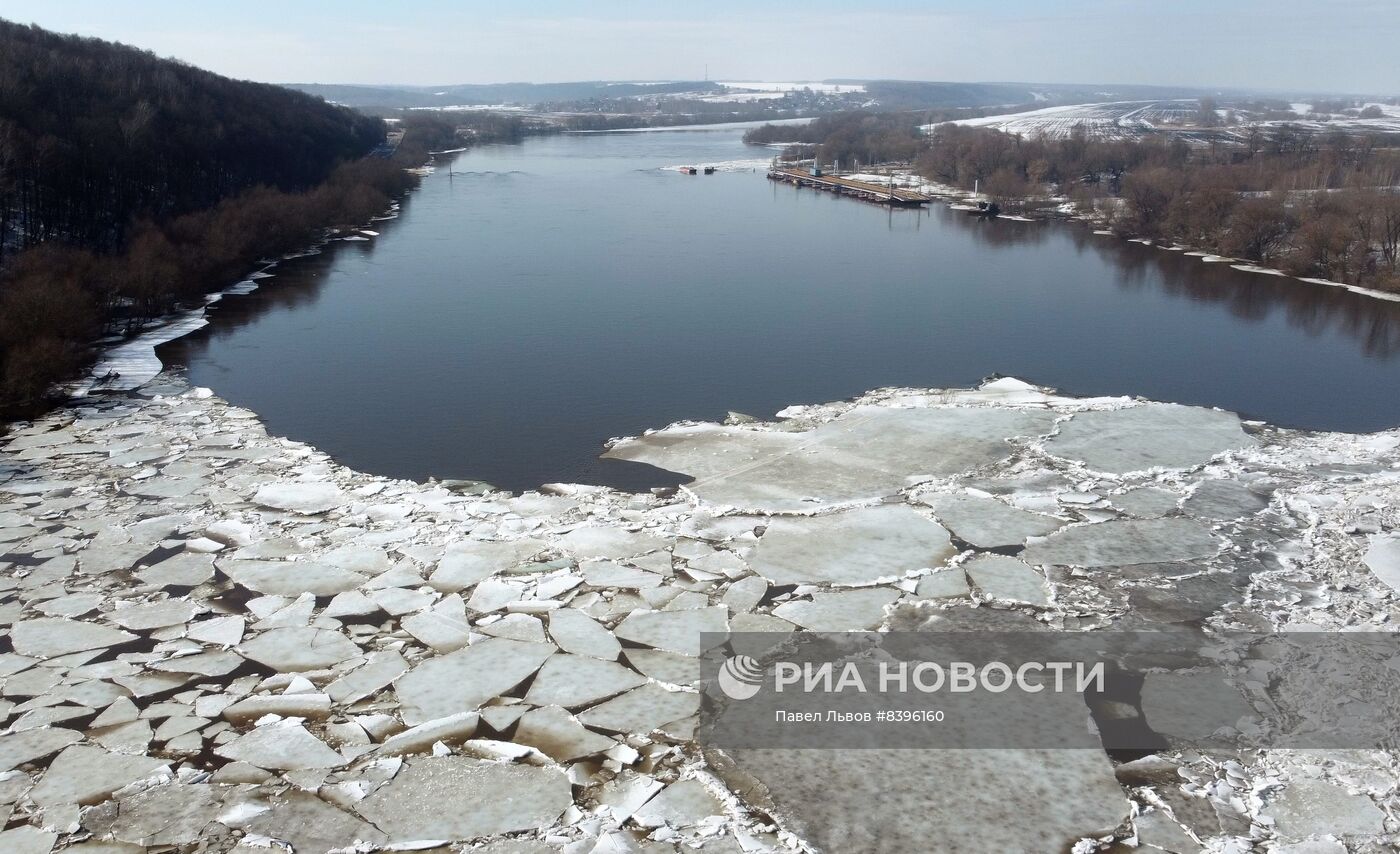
[[220, 640]]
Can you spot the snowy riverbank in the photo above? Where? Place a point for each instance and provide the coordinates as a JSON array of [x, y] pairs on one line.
[[960, 199], [218, 636]]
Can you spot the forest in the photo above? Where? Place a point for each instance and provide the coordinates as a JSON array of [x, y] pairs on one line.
[[1323, 205], [94, 135], [129, 184]]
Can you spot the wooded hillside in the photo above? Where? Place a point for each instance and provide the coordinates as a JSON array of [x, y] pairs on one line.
[[131, 184], [94, 135]]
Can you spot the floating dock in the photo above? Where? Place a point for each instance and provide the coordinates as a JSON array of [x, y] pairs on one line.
[[864, 190]]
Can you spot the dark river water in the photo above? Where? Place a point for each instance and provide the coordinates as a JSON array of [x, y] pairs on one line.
[[534, 300]]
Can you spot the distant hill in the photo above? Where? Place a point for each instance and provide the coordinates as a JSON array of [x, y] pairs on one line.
[[94, 135], [520, 94], [876, 94], [919, 95]]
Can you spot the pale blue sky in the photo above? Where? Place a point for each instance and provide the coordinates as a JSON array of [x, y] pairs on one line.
[[1322, 45]]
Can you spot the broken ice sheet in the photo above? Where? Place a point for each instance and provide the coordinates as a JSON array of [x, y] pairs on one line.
[[578, 680], [1121, 543], [305, 498], [17, 748], [576, 632], [27, 839], [864, 454], [1007, 579], [154, 615], [290, 578], [1223, 499], [1383, 558], [443, 627], [465, 563], [851, 547], [559, 735], [840, 611], [86, 775], [641, 710], [290, 650], [986, 523], [284, 746], [1022, 800], [676, 631], [47, 637], [1149, 435], [455, 798], [1317, 807], [682, 804], [628, 581], [463, 680]]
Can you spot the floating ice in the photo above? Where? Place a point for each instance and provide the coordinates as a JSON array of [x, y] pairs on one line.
[[1006, 579], [965, 800], [1317, 807], [676, 631], [454, 661], [576, 632], [86, 775], [47, 637], [291, 650], [987, 523], [464, 680], [844, 611], [306, 498], [864, 454], [1383, 557], [1146, 436], [578, 680], [854, 547], [1120, 543], [454, 798], [284, 745]]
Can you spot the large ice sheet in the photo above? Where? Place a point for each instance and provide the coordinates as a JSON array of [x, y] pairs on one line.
[[1124, 542], [956, 801], [1150, 435], [985, 522], [864, 454], [853, 547]]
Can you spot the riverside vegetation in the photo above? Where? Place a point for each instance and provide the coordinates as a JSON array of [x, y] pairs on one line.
[[1313, 205], [130, 183]]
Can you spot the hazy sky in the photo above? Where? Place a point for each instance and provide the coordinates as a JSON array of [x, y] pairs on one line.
[[1322, 45]]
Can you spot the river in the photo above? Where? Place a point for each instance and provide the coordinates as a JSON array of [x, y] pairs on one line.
[[533, 300]]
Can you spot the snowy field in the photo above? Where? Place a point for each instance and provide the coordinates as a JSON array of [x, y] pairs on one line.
[[1112, 120], [1128, 120], [1389, 122]]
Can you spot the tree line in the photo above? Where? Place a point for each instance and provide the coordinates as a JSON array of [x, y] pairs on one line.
[[1314, 205], [1324, 205], [95, 135], [130, 185]]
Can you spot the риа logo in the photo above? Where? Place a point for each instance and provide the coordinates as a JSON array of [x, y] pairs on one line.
[[740, 677]]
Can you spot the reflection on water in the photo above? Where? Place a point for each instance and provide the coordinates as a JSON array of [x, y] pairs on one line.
[[1314, 309], [534, 300]]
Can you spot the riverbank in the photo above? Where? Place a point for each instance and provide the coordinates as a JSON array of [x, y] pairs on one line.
[[960, 199], [216, 633], [126, 364]]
